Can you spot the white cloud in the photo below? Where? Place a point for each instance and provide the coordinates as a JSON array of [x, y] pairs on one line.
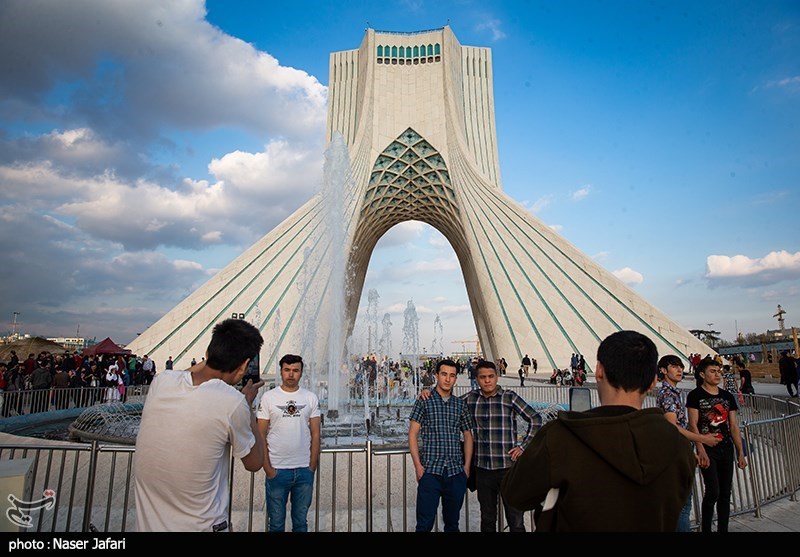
[[403, 271], [493, 25], [581, 193], [600, 256], [439, 299], [163, 65], [556, 227], [402, 234], [778, 295], [141, 213], [741, 270], [401, 308], [395, 308], [629, 276], [456, 310], [792, 82], [539, 204], [437, 239], [766, 198]]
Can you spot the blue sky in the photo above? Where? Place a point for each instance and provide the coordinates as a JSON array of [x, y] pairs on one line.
[[143, 145]]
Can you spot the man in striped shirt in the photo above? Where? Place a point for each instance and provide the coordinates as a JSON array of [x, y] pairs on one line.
[[441, 466]]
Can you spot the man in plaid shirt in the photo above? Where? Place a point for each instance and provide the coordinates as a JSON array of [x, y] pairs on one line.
[[441, 467], [495, 411]]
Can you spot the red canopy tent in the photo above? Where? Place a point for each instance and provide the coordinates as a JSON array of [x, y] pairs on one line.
[[106, 346]]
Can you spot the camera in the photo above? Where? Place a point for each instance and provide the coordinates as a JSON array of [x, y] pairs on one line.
[[252, 372]]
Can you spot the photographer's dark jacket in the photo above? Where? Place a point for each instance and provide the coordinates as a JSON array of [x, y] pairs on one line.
[[617, 469]]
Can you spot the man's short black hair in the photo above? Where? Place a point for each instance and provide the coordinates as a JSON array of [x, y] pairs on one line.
[[705, 363], [486, 364], [291, 359], [232, 342], [445, 362], [630, 360], [669, 360]]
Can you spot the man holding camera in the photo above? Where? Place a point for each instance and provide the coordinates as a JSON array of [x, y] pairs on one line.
[[191, 423]]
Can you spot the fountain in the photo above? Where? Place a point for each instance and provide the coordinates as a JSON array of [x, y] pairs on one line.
[[308, 340], [109, 423], [437, 344], [336, 183], [411, 340], [372, 320], [385, 345]]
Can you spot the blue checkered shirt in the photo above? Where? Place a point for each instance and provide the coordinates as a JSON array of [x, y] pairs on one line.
[[441, 424], [496, 426]]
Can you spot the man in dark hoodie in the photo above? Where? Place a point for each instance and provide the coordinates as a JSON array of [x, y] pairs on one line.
[[615, 468]]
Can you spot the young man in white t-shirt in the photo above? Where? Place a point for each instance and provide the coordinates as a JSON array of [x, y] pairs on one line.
[[289, 419], [191, 423]]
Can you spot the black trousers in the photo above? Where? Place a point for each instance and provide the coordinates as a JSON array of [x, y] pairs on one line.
[[718, 480], [488, 486]]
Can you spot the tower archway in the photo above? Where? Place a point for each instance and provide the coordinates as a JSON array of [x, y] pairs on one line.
[[422, 145]]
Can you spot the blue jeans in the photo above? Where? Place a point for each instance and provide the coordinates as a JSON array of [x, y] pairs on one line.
[[683, 519], [430, 489], [297, 483]]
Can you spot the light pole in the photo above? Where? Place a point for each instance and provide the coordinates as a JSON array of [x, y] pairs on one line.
[[14, 332]]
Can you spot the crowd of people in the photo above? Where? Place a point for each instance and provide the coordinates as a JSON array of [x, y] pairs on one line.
[[60, 380]]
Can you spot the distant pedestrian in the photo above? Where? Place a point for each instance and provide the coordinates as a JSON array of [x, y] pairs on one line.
[[526, 364], [149, 369], [40, 383], [788, 371], [746, 379], [112, 383], [168, 363], [521, 373]]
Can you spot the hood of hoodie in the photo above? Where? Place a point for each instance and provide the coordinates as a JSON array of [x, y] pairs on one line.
[[623, 437]]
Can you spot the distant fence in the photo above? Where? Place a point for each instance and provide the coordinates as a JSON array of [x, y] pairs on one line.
[[367, 487]]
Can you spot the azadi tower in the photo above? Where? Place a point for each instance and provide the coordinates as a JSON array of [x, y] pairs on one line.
[[411, 129]]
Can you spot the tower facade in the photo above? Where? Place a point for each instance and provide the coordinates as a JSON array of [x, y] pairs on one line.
[[411, 132]]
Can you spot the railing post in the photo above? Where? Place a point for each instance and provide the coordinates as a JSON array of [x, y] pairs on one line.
[[87, 508], [787, 468], [753, 480], [369, 486]]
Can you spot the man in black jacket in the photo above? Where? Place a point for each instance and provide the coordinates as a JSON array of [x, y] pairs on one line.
[[615, 468], [788, 371], [41, 379]]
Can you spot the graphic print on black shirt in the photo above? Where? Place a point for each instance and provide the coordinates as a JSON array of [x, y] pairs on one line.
[[713, 411]]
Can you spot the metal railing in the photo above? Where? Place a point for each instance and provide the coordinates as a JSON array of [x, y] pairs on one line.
[[364, 488], [36, 401]]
